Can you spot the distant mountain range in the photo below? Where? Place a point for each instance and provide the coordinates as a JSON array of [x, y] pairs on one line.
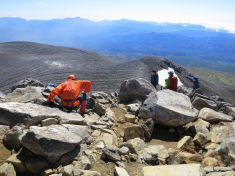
[[186, 44]]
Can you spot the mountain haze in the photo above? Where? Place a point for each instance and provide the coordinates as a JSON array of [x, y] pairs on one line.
[[187, 44]]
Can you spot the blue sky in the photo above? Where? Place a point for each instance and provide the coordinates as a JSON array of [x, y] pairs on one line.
[[211, 13]]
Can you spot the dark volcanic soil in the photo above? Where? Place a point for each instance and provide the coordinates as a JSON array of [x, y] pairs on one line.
[[20, 60]]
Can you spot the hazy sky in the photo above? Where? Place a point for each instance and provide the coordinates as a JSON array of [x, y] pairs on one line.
[[211, 13]]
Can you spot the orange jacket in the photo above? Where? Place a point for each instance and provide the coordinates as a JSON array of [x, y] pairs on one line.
[[80, 85]]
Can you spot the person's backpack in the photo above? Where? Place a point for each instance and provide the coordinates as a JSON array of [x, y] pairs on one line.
[[70, 91], [174, 83]]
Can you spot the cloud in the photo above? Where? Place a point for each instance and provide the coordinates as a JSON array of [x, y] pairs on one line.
[[39, 3]]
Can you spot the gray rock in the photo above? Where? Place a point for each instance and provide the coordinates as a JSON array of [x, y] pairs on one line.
[[228, 173], [200, 103], [168, 108], [27, 82], [111, 153], [124, 150], [227, 149], [229, 110], [7, 170], [54, 141], [219, 133], [186, 144], [134, 108], [211, 115], [14, 113], [36, 164], [84, 163], [3, 130], [135, 145], [174, 170], [120, 171], [26, 95], [100, 109], [157, 150], [49, 121], [12, 139], [133, 89], [132, 132], [148, 128]]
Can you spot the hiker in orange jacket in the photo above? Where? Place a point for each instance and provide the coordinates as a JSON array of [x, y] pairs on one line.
[[69, 92]]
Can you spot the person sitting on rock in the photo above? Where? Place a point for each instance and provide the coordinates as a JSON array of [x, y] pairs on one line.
[[195, 80], [171, 82], [154, 78], [69, 92]]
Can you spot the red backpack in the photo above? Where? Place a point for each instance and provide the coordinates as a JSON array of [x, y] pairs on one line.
[[174, 83]]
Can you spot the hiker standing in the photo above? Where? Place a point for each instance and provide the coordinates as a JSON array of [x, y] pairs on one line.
[[69, 92], [154, 78], [195, 80], [171, 82]]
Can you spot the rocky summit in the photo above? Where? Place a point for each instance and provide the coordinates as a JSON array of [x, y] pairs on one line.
[[136, 131]]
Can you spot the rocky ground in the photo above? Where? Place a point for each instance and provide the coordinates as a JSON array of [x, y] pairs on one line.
[[137, 131]]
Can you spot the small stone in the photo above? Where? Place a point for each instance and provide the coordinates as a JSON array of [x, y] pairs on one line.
[[124, 150], [111, 154], [186, 144], [100, 145], [132, 132], [96, 133], [134, 145], [130, 118], [49, 121], [209, 161], [120, 171], [200, 140]]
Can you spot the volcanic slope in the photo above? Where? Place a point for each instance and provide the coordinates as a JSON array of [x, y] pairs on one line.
[[20, 60]]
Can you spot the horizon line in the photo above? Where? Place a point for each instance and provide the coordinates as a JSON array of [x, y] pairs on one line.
[[217, 29]]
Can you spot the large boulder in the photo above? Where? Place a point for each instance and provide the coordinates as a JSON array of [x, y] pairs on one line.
[[135, 89], [13, 113], [211, 115], [53, 141], [26, 95], [168, 108], [27, 82], [174, 170]]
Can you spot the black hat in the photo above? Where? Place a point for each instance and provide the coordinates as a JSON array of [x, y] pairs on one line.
[[154, 71]]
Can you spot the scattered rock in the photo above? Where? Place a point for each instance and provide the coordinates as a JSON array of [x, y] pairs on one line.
[[7, 170], [174, 170], [111, 153], [228, 173], [132, 132], [187, 158], [204, 102], [229, 110], [200, 140], [134, 108], [227, 149], [209, 161], [168, 111], [130, 118], [108, 139], [26, 95], [135, 89], [100, 109], [42, 140], [159, 150], [186, 144], [84, 163], [210, 115], [27, 82], [148, 128], [3, 130], [49, 121], [124, 150], [219, 133], [120, 171], [134, 145], [12, 139]]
